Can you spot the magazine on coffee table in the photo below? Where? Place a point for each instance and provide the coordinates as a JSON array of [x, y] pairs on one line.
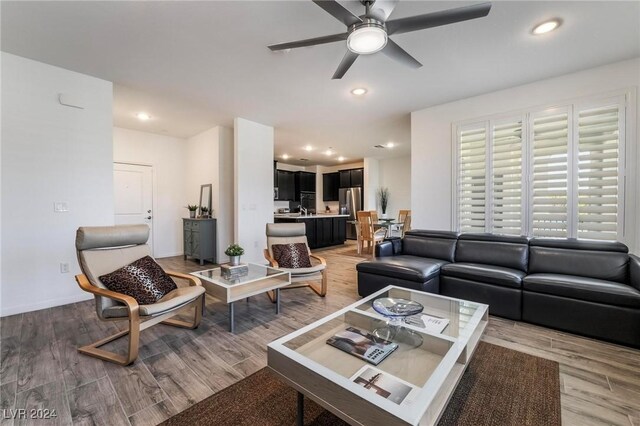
[[385, 385], [429, 323], [362, 344]]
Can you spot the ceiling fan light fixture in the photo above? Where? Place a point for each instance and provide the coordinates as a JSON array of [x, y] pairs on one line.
[[367, 39]]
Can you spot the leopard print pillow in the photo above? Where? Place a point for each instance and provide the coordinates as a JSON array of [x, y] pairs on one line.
[[291, 256], [144, 280]]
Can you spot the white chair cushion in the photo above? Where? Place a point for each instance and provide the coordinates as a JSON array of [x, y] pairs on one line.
[[304, 271], [172, 300]]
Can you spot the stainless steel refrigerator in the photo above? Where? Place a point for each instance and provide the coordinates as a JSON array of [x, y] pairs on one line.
[[351, 199]]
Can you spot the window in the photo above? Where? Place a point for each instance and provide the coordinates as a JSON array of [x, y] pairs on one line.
[[471, 188], [552, 173]]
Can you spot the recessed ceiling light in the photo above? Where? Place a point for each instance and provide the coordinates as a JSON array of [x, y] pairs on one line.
[[328, 152], [546, 26], [143, 116], [308, 148], [285, 156], [359, 91], [341, 158], [390, 145]]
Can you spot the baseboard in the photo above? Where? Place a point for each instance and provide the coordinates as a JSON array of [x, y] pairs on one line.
[[14, 310], [160, 256]]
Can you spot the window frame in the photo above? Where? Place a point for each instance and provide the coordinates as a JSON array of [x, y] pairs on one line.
[[626, 120]]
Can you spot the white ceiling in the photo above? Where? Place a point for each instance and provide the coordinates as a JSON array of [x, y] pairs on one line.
[[193, 65]]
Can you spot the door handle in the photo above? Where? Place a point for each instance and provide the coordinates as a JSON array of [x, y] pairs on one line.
[[148, 217], [148, 211]]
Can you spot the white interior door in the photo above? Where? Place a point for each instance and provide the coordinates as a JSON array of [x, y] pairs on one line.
[[133, 195]]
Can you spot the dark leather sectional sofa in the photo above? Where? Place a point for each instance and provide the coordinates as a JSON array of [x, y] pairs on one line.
[[590, 288]]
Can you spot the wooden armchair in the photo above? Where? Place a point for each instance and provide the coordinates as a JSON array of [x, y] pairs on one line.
[[104, 249], [287, 233]]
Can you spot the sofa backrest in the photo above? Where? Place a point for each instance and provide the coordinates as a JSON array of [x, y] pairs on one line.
[[593, 259], [433, 244], [489, 249]]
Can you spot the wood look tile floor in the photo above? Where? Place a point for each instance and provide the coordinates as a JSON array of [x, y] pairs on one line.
[[41, 369]]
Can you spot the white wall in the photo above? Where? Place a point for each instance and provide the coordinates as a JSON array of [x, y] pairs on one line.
[[371, 182], [167, 156], [395, 174], [50, 153], [431, 139], [210, 160], [253, 158]]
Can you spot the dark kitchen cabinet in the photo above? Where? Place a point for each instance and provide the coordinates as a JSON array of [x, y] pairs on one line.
[[345, 178], [286, 185], [324, 232], [351, 178], [321, 231], [339, 230], [304, 182], [357, 177], [331, 186]]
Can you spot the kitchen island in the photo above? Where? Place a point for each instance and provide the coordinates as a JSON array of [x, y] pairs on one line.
[[323, 230]]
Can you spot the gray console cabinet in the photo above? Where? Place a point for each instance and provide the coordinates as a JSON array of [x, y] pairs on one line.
[[200, 239]]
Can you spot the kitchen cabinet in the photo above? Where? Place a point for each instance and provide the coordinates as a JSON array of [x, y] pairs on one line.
[[331, 186], [199, 239], [357, 177], [321, 231], [351, 178], [286, 185], [304, 182]]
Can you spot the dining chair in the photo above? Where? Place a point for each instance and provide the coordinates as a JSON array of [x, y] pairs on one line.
[[368, 234], [104, 249], [404, 221]]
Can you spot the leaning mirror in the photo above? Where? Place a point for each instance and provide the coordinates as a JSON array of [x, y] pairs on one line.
[[205, 200]]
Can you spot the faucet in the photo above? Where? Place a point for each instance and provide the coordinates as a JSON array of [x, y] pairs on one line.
[[302, 209]]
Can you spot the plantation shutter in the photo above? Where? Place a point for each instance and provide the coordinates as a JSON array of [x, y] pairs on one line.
[[472, 179], [598, 171], [550, 175], [506, 190]]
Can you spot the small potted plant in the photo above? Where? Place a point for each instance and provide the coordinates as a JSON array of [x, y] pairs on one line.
[[204, 212], [192, 210], [234, 251], [383, 197]]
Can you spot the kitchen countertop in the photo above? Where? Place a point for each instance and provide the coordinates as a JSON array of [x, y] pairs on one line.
[[315, 216]]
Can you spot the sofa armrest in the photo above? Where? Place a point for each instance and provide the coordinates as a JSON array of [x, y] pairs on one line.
[[384, 249], [634, 270]]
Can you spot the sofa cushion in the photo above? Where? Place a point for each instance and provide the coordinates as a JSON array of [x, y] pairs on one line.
[[582, 288], [499, 250], [431, 244], [411, 268], [489, 274], [581, 258]]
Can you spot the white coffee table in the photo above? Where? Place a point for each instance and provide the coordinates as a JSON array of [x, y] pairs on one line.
[[432, 368], [258, 280]]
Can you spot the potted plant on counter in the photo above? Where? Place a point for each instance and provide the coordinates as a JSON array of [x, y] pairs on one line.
[[234, 251], [192, 210], [383, 197]]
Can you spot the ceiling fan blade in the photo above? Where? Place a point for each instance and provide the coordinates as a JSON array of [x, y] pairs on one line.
[[381, 9], [397, 53], [436, 19], [309, 42], [337, 11], [345, 64]]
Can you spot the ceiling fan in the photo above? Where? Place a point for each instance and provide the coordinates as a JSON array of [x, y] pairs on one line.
[[369, 33]]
